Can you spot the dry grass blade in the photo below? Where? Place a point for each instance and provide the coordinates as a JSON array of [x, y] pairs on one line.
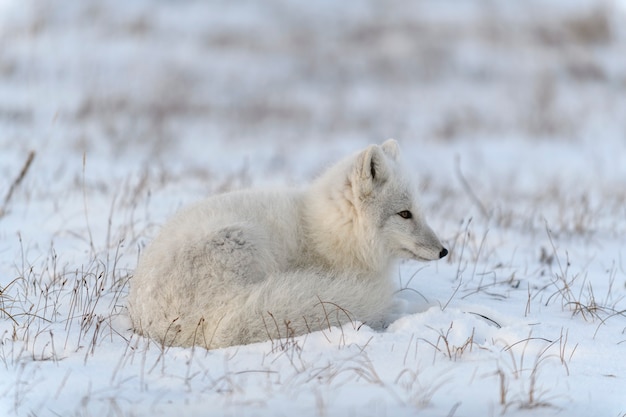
[[16, 182], [470, 192], [6, 313]]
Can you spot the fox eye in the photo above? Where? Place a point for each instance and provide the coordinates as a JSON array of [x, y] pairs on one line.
[[405, 214]]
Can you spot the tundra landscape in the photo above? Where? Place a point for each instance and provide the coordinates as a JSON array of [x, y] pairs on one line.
[[511, 117]]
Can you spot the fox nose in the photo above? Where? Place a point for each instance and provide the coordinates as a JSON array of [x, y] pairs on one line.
[[443, 253]]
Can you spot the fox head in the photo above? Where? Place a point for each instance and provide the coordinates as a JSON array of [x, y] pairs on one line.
[[384, 199]]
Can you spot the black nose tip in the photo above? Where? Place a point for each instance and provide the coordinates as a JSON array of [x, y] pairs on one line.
[[443, 252]]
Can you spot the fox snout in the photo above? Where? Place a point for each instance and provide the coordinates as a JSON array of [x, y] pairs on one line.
[[429, 247], [431, 254]]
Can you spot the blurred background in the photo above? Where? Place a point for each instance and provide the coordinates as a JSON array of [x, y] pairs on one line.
[[511, 115], [249, 91]]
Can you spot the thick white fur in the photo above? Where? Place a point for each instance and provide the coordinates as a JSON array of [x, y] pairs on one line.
[[249, 266]]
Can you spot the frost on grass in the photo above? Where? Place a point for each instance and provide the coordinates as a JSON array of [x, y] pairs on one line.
[[512, 116], [501, 326]]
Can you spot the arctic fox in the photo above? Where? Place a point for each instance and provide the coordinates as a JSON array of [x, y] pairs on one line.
[[250, 266]]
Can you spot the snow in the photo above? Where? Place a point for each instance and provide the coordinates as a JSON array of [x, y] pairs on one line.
[[510, 115]]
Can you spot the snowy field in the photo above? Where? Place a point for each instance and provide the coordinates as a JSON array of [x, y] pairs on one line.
[[512, 115]]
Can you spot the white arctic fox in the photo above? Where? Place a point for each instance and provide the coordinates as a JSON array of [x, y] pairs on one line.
[[249, 266]]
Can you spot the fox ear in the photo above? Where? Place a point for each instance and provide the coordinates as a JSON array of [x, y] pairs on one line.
[[370, 168], [391, 148]]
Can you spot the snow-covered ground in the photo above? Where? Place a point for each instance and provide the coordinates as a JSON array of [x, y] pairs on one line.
[[512, 116]]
